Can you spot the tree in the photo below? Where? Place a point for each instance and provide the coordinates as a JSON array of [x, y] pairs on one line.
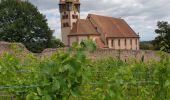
[[56, 43], [162, 41], [20, 21], [146, 45]]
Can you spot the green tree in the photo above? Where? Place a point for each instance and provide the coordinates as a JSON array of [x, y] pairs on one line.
[[162, 41], [20, 21], [146, 45], [56, 43]]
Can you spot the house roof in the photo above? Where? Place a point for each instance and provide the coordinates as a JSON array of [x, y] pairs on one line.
[[100, 43], [83, 27], [112, 27]]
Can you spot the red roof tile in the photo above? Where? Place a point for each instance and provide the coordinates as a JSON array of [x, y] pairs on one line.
[[83, 27], [112, 27], [100, 43]]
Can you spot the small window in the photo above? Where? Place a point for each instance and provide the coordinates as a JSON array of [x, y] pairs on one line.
[[66, 16], [107, 42], [112, 43], [125, 42], [130, 41], [96, 28], [136, 41], [75, 16], [119, 42], [65, 25]]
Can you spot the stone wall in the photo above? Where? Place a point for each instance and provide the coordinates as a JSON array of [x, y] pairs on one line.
[[11, 47], [125, 55], [98, 54]]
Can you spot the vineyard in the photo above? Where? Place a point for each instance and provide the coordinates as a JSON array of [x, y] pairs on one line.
[[72, 76]]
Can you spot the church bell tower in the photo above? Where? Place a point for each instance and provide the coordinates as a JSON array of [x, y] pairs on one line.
[[69, 13]]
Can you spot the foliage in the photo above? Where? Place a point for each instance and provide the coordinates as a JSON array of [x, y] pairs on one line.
[[113, 79], [147, 45], [56, 43], [62, 74], [20, 21], [89, 45], [57, 77], [86, 45], [163, 39], [71, 76], [18, 73]]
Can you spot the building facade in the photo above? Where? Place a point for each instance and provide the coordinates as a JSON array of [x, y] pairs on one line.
[[69, 13], [107, 32]]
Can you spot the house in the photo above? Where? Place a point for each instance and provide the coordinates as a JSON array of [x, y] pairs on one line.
[[107, 32]]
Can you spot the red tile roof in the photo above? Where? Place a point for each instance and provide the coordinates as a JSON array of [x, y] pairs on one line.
[[83, 27], [100, 43], [112, 27]]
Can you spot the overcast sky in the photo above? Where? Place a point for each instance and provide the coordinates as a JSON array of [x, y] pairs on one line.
[[141, 15]]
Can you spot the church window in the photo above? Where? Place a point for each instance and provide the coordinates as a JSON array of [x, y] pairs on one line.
[[130, 41], [65, 17], [69, 6], [61, 7], [112, 43], [65, 25], [119, 42], [107, 42], [75, 16], [96, 28]]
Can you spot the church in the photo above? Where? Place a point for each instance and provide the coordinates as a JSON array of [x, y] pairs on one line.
[[107, 32]]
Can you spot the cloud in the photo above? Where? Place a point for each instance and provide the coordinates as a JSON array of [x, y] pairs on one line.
[[45, 4], [141, 15], [53, 21]]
